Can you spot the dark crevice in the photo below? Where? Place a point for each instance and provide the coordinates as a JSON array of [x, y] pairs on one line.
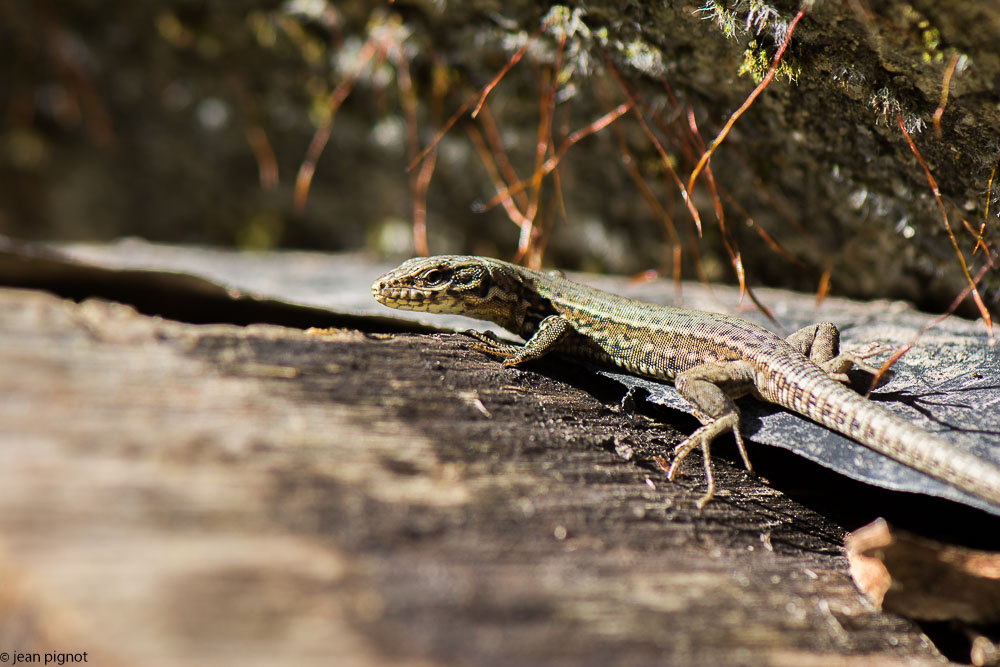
[[178, 296], [954, 640]]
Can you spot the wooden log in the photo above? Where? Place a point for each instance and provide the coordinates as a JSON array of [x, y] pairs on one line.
[[181, 494]]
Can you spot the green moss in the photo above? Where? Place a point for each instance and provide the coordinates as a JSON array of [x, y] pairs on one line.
[[931, 38], [717, 12], [757, 60], [925, 34], [757, 17]]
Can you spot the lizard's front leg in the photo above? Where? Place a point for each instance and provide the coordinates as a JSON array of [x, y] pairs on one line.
[[550, 331], [821, 343], [712, 388]]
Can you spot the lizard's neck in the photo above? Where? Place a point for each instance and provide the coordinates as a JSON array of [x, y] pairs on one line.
[[530, 307]]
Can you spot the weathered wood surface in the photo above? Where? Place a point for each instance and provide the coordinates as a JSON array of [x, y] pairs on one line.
[[181, 494]]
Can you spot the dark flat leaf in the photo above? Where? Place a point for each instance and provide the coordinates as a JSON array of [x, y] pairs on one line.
[[948, 383]]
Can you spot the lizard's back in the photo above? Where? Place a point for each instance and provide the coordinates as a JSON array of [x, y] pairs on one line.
[[654, 340]]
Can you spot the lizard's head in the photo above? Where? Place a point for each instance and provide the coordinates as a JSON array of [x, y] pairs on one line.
[[449, 284]]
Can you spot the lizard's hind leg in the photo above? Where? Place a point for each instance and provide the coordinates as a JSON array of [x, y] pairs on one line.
[[821, 343], [711, 388]]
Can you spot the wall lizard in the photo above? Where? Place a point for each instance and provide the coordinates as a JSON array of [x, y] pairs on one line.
[[711, 358]]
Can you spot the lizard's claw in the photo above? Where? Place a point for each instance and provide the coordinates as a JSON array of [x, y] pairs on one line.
[[482, 335], [702, 438], [838, 366], [487, 342], [872, 350]]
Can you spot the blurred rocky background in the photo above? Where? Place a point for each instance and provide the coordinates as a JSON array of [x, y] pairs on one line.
[[267, 124]]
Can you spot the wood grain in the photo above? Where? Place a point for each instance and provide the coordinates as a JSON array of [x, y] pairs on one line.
[[181, 494]]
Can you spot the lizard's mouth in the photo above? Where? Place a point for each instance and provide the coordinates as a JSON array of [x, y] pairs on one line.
[[403, 298]]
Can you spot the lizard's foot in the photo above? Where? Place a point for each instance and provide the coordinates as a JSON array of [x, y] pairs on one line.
[[838, 366], [702, 438], [486, 341], [550, 331], [821, 343], [710, 388]]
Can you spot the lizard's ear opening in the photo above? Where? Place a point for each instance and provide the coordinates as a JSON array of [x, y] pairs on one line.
[[485, 284], [471, 281]]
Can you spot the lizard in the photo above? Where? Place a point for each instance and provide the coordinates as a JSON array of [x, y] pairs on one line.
[[711, 358]]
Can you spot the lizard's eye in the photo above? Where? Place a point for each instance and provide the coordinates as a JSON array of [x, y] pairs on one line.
[[434, 277]]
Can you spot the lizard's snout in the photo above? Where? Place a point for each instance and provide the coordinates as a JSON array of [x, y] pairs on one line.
[[378, 287], [390, 292]]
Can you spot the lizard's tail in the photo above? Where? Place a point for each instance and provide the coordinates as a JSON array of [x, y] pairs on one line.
[[808, 390]]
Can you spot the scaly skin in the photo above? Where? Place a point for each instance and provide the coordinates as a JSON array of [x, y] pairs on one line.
[[711, 358]]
